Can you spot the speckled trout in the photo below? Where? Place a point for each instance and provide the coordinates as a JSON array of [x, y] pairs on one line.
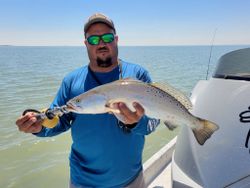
[[159, 101]]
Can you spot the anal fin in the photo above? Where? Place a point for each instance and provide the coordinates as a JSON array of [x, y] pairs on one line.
[[171, 126]]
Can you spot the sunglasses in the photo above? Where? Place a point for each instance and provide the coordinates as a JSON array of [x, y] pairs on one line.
[[106, 38]]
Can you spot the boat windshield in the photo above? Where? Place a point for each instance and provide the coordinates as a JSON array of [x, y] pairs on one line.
[[234, 65]]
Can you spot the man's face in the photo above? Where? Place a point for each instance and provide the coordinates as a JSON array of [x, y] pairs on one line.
[[103, 54]]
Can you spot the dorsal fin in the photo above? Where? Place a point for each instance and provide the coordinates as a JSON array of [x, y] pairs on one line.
[[178, 95]]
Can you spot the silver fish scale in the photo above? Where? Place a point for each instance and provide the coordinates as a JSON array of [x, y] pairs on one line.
[[177, 95]]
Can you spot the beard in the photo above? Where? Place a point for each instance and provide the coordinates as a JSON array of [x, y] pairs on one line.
[[104, 63]]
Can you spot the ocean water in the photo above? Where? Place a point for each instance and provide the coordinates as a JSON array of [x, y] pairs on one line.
[[30, 77]]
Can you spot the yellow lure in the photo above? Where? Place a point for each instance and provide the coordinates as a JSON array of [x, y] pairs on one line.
[[50, 123]]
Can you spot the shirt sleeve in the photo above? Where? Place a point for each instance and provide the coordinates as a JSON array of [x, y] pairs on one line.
[[144, 76], [65, 120]]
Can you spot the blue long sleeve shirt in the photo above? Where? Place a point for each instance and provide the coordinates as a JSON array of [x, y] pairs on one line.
[[102, 153]]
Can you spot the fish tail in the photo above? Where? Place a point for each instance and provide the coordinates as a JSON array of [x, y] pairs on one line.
[[206, 132]]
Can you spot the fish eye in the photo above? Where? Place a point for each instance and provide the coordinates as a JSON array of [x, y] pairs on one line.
[[77, 100]]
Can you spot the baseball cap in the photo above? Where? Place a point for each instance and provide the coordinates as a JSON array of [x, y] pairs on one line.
[[98, 18]]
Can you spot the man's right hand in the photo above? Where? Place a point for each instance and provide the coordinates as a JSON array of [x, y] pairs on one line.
[[29, 123]]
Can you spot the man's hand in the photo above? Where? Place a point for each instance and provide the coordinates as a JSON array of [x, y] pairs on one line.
[[126, 115], [29, 123]]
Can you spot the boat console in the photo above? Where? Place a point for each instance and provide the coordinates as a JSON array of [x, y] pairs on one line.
[[224, 160]]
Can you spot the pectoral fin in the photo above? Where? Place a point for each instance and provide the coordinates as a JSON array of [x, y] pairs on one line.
[[120, 117], [110, 109]]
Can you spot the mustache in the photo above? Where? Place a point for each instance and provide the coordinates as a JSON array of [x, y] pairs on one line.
[[102, 48]]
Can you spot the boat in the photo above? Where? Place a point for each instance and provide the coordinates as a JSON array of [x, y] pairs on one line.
[[224, 160]]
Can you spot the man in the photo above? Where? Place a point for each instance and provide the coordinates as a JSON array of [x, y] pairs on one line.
[[105, 152]]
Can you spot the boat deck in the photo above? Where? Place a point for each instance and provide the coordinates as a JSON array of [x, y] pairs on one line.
[[157, 169], [163, 180]]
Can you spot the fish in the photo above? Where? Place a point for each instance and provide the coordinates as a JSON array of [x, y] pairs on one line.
[[160, 101]]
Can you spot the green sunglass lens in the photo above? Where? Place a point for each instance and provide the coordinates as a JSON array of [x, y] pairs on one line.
[[107, 38], [94, 40]]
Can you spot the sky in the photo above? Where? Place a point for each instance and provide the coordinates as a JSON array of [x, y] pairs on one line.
[[138, 22]]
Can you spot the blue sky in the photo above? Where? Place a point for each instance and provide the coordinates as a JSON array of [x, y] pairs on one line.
[[157, 22]]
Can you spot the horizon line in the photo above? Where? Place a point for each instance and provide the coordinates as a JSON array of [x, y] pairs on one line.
[[10, 45]]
